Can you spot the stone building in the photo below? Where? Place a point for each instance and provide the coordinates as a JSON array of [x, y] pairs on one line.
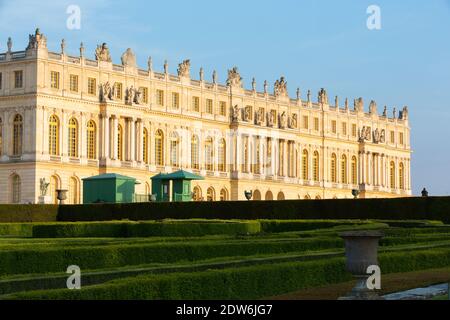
[[65, 117]]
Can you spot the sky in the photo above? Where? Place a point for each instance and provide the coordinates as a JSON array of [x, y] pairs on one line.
[[313, 43]]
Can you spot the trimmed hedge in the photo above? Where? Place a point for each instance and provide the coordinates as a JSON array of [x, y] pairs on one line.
[[47, 259], [278, 226], [145, 229], [423, 208], [28, 213], [242, 283], [19, 230]]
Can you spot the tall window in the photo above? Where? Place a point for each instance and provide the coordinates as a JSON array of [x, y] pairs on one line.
[[145, 145], [316, 124], [354, 130], [246, 152], [223, 195], [392, 175], [333, 126], [175, 100], [73, 138], [53, 135], [209, 106], [159, 148], [195, 153], [222, 155], [196, 104], [73, 191], [91, 140], [344, 169], [401, 176], [257, 168], [269, 155], [316, 166], [17, 135], [209, 154], [392, 137], [174, 152], [120, 142], [354, 170], [197, 194], [344, 128], [211, 194], [16, 189], [144, 92], [333, 168], [54, 80], [305, 122], [18, 79], [222, 108], [400, 138], [1, 136], [74, 83], [118, 90], [92, 86], [160, 97], [305, 168]]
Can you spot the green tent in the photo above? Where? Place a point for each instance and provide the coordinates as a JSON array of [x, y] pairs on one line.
[[108, 188], [181, 185]]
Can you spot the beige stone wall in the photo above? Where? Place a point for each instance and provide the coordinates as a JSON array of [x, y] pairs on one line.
[[294, 130]]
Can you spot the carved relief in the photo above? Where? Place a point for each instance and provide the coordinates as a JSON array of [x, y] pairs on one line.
[[283, 120], [247, 113], [293, 121], [106, 92], [133, 96], [235, 117], [259, 119], [271, 118]]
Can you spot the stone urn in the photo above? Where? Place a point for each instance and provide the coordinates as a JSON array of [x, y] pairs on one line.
[[61, 195], [361, 251]]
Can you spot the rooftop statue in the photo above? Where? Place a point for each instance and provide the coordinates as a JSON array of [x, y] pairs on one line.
[[323, 96], [36, 41], [280, 88], [129, 58], [184, 69], [234, 78], [102, 53]]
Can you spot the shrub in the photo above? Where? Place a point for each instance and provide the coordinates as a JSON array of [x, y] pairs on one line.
[[28, 213], [277, 226], [20, 230]]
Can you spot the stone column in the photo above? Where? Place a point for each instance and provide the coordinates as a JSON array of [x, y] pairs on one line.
[[132, 147], [140, 144], [105, 136]]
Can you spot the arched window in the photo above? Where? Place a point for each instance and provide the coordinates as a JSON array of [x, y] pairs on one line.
[[256, 195], [210, 194], [354, 170], [54, 185], [73, 138], [316, 166], [223, 195], [333, 168], [16, 189], [401, 176], [209, 154], [74, 193], [307, 197], [197, 194], [222, 153], [392, 175], [174, 149], [344, 175], [1, 136], [269, 196], [53, 135], [280, 196], [91, 140], [195, 162], [17, 135], [159, 148], [318, 197], [120, 142], [145, 146], [305, 168]]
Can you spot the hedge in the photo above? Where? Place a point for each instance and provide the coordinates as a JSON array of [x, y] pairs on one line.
[[46, 259], [278, 226], [423, 208], [241, 283], [28, 213], [145, 229], [19, 230]]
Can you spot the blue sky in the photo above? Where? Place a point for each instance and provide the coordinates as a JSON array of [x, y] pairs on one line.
[[313, 43]]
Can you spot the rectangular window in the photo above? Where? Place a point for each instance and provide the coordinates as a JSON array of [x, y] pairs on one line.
[[305, 122], [54, 80], [118, 90], [333, 126], [354, 130], [92, 86], [209, 106], [196, 104], [144, 92], [160, 97], [392, 137], [73, 83], [18, 79], [316, 124], [223, 108], [175, 100], [344, 128], [400, 137]]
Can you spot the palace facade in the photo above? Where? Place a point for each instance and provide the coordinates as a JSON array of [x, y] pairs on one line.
[[65, 118]]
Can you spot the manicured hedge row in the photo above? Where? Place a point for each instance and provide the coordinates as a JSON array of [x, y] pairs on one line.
[[423, 208], [278, 226], [45, 259], [19, 230], [28, 213], [145, 229], [242, 283]]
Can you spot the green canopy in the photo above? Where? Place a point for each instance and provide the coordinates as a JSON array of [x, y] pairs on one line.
[[179, 175]]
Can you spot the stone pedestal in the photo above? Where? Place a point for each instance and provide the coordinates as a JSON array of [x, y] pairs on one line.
[[361, 251], [45, 200]]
